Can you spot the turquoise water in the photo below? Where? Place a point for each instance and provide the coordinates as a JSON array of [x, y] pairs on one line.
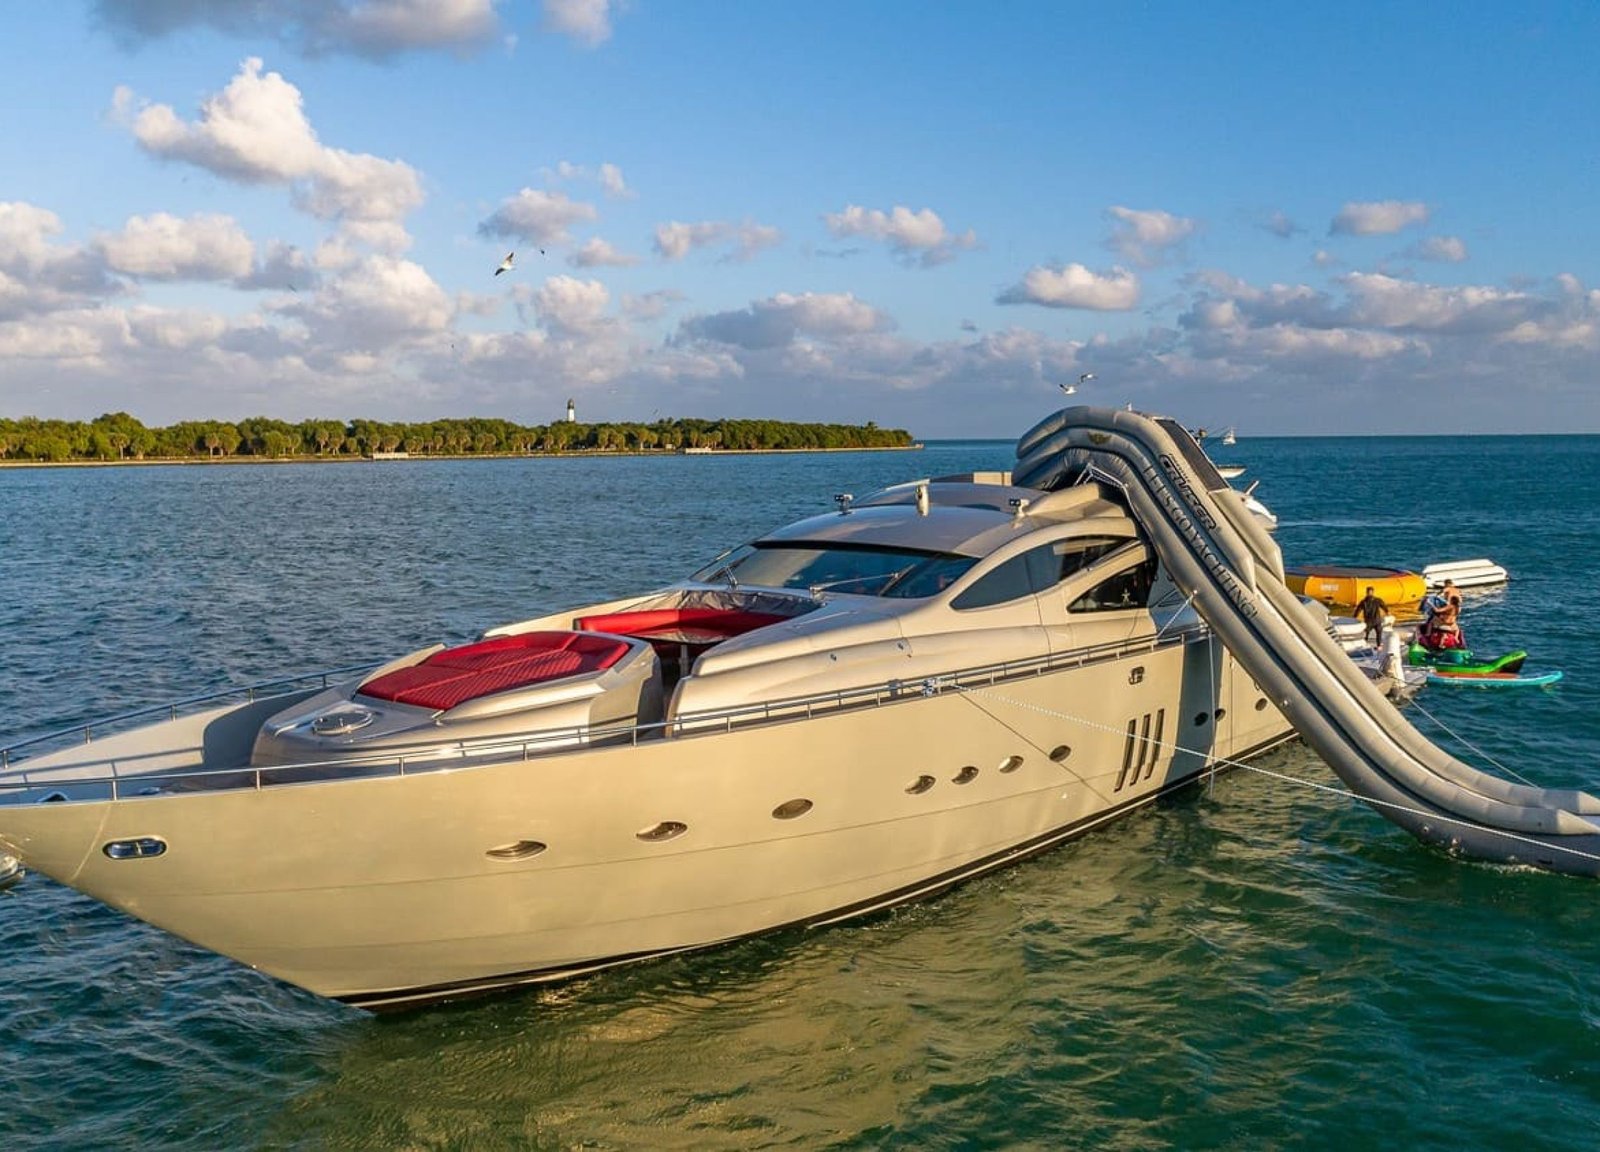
[[1256, 964]]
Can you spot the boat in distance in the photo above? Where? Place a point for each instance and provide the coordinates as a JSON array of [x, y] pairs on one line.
[[851, 712]]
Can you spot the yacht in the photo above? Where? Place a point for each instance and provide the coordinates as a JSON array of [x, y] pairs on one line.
[[851, 712]]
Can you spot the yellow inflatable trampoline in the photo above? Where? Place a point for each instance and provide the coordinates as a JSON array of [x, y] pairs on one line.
[[1344, 587]]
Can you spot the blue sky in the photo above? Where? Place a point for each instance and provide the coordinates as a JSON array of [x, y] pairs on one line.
[[1286, 218]]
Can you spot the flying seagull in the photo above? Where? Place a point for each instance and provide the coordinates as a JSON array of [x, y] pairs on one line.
[[507, 264]]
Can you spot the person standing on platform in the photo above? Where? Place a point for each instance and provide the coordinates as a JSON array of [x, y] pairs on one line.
[[1372, 610]]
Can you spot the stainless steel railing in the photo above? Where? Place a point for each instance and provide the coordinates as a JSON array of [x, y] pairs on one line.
[[533, 745]]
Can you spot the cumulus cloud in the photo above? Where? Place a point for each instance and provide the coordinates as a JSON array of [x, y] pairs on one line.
[[569, 307], [377, 29], [1147, 237], [1074, 286], [587, 21], [373, 303], [608, 176], [597, 253], [913, 236], [675, 240], [538, 217], [650, 305], [779, 320], [1279, 224], [1385, 302], [255, 131], [164, 247], [1378, 217], [47, 276], [1440, 249]]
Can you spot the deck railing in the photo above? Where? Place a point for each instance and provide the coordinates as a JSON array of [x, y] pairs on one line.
[[534, 745]]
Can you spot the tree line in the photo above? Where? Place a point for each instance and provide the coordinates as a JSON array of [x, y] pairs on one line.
[[119, 436]]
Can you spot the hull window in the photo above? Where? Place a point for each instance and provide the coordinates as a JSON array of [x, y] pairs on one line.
[[517, 850], [140, 848]]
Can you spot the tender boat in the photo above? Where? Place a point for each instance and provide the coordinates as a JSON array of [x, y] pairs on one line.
[[854, 711]]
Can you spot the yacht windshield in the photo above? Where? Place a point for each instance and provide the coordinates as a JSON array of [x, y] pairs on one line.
[[821, 568]]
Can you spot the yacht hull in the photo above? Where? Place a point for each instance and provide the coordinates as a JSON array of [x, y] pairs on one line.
[[396, 890]]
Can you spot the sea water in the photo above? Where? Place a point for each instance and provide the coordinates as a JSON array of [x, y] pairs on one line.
[[1257, 963]]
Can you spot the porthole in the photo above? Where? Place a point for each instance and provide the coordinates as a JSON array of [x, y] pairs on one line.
[[966, 776], [666, 830], [139, 848], [516, 850], [1200, 718], [1060, 753], [789, 809], [1261, 704], [1221, 712], [1011, 763], [920, 785]]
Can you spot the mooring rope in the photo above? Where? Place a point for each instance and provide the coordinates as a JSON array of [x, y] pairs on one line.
[[1215, 761], [1507, 769]]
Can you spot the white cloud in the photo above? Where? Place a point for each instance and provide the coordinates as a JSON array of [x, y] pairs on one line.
[[164, 247], [538, 217], [597, 253], [1147, 237], [374, 302], [1074, 286], [571, 307], [920, 236], [255, 132], [1279, 224], [675, 240], [377, 29], [52, 276], [1440, 249], [174, 330], [1385, 302], [780, 320], [608, 176], [650, 305], [588, 21], [1378, 217]]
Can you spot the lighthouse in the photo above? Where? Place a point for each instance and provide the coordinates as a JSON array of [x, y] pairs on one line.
[[572, 412]]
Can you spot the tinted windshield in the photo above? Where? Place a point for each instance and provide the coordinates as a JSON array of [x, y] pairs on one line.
[[821, 568]]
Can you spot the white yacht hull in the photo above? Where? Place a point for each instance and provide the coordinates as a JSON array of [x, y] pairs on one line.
[[381, 891]]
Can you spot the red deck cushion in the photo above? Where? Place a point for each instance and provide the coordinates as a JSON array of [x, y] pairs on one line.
[[457, 675], [723, 621]]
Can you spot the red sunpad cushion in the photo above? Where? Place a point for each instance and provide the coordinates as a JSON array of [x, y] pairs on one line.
[[723, 621], [457, 675]]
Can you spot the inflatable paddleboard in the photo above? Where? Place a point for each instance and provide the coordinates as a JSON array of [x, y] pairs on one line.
[[1490, 679]]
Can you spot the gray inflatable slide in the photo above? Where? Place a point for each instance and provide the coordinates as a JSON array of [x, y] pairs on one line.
[[1217, 552]]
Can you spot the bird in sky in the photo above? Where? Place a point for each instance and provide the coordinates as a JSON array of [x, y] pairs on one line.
[[507, 264]]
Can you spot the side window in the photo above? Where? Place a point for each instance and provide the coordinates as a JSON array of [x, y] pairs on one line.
[[1065, 557], [1008, 582], [1129, 588]]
